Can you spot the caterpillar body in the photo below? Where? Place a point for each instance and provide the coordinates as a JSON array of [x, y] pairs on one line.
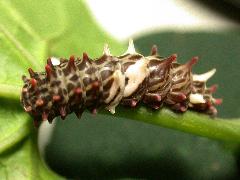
[[77, 84]]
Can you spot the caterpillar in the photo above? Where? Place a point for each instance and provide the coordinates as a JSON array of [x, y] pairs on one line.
[[77, 84]]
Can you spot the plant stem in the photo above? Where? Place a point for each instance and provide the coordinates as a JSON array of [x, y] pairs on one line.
[[9, 91], [190, 122]]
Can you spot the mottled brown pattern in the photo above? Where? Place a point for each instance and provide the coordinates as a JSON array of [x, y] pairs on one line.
[[82, 83]]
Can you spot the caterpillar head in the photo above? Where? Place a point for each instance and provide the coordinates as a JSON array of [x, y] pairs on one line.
[[35, 97]]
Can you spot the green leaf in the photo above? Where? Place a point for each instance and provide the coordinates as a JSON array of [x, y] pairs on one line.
[[30, 31], [21, 47], [14, 124], [23, 162]]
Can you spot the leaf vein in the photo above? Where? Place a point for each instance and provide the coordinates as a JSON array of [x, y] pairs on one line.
[[29, 57]]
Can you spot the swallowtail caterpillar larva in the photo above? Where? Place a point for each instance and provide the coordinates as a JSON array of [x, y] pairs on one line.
[[75, 84]]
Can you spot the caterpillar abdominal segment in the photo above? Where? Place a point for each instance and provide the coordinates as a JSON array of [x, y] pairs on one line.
[[75, 84]]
